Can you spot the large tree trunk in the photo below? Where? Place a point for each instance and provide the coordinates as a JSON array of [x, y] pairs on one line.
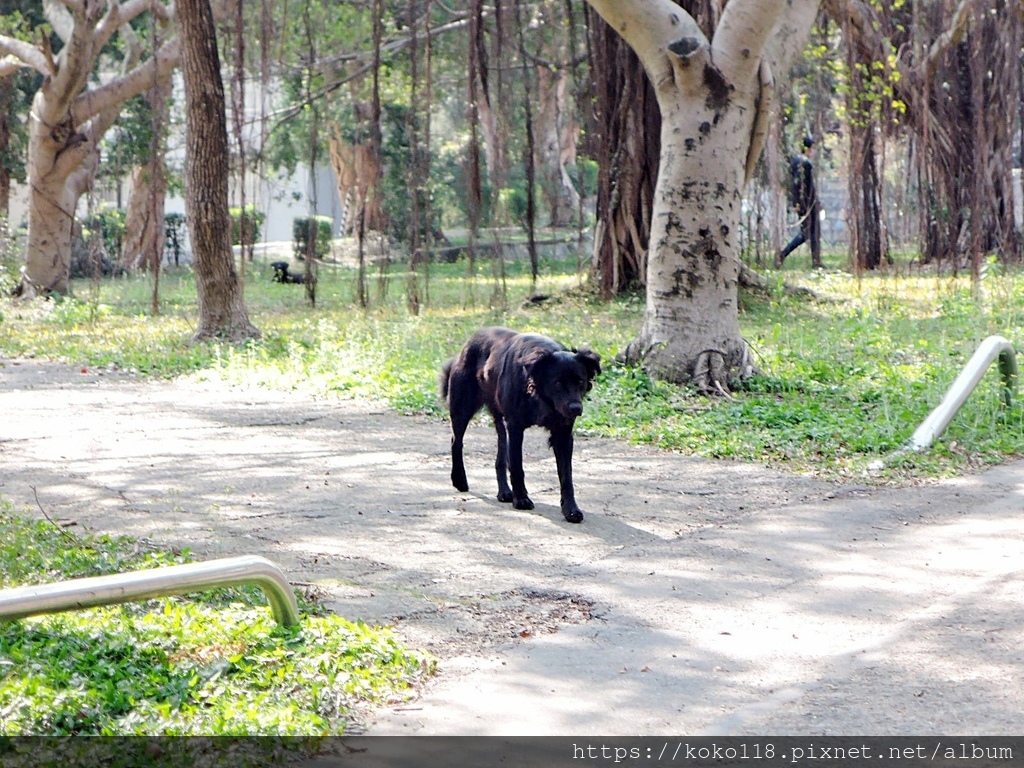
[[69, 117], [53, 155], [713, 100], [222, 312]]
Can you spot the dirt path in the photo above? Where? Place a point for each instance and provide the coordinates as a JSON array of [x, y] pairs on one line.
[[697, 597]]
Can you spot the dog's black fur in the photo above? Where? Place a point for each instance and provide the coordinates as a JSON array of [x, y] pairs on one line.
[[282, 275], [525, 380]]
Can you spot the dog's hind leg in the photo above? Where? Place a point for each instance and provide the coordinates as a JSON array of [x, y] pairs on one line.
[[561, 444], [501, 461], [463, 402], [459, 425], [520, 497]]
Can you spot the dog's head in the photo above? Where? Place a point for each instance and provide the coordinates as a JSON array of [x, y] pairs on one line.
[[280, 271], [561, 378]]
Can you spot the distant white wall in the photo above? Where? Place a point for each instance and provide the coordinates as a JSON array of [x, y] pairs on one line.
[[283, 198]]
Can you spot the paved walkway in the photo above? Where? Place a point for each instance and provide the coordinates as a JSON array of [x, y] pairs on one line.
[[697, 597]]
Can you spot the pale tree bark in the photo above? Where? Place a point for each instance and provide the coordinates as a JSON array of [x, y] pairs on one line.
[[714, 100], [555, 145], [69, 117], [222, 313]]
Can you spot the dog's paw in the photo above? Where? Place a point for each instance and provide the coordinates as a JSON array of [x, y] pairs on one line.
[[460, 483], [574, 515], [523, 503], [504, 496]]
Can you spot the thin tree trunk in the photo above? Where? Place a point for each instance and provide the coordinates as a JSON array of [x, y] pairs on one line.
[[144, 218], [222, 312], [6, 100]]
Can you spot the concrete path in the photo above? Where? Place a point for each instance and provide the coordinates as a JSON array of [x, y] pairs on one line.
[[697, 597]]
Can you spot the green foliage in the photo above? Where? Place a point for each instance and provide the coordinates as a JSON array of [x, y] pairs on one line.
[[209, 664], [302, 229], [584, 176], [248, 223], [109, 223], [513, 203], [130, 141], [8, 259]]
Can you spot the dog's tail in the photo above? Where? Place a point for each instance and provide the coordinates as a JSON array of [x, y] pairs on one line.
[[446, 373]]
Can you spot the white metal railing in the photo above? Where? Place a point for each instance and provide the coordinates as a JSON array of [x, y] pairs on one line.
[[20, 602], [938, 419]]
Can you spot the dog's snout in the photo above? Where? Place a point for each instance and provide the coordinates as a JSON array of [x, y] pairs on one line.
[[576, 409]]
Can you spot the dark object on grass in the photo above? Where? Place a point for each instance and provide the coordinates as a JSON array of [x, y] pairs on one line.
[[282, 275], [525, 380]]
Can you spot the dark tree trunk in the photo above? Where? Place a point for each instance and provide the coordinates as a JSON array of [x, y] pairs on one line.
[[628, 145], [867, 237], [222, 312], [6, 102]]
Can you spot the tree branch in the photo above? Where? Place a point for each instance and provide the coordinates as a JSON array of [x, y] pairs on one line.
[[61, 16], [117, 16], [766, 81], [952, 36], [121, 89], [663, 35], [27, 55], [787, 40], [741, 37]]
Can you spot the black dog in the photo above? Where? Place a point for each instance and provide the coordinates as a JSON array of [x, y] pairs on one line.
[[525, 380], [282, 275]]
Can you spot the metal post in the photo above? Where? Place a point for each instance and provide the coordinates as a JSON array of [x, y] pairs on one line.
[[938, 419], [156, 582]]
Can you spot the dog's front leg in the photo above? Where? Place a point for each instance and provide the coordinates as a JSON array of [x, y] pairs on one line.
[[520, 498], [501, 462], [561, 444]]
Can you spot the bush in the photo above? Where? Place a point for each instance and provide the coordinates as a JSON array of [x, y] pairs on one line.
[[108, 223], [251, 219], [301, 227]]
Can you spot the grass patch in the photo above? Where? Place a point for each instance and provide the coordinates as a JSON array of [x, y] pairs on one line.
[[847, 376], [213, 664]]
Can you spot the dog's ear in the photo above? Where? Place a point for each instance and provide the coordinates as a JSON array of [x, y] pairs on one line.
[[591, 361], [532, 363]]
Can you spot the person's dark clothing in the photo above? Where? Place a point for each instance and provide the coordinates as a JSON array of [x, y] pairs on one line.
[[803, 196]]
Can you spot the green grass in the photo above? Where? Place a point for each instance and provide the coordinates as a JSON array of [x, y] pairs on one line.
[[213, 664], [846, 377]]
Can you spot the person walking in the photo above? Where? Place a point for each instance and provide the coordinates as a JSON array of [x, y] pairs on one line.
[[803, 196]]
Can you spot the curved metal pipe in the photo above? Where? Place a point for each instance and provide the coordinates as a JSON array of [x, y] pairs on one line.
[[938, 419], [156, 582]]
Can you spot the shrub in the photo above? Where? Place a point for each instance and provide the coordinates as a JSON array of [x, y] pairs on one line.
[[108, 223], [251, 219], [301, 227]]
